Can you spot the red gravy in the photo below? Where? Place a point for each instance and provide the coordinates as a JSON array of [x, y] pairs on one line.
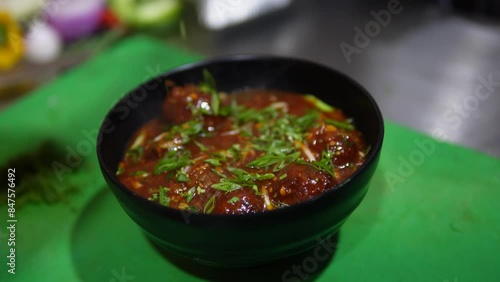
[[249, 152]]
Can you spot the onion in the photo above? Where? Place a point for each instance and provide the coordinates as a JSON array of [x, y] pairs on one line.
[[74, 19]]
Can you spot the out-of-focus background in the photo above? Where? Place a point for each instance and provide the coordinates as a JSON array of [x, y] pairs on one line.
[[431, 65]]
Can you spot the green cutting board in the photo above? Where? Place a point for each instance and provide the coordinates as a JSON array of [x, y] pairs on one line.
[[431, 214]]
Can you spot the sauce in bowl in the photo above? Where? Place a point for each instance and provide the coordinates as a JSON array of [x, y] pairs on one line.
[[247, 152]]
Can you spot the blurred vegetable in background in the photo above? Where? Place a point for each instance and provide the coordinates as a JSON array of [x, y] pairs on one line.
[[109, 19], [50, 25], [156, 14], [43, 44], [11, 42]]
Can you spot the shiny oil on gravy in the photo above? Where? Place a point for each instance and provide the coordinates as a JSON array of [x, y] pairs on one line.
[[249, 152]]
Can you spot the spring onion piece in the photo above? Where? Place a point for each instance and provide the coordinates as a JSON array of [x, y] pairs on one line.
[[164, 199], [263, 150], [324, 107], [267, 202], [208, 85]]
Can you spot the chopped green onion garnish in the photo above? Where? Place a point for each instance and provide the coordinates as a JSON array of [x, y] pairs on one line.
[[339, 124], [140, 173], [201, 146], [324, 107], [226, 186], [208, 85], [233, 200], [120, 170], [214, 162], [189, 194], [182, 177], [210, 205], [135, 154]]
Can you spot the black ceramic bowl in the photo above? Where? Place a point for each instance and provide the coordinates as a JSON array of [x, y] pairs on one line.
[[250, 239]]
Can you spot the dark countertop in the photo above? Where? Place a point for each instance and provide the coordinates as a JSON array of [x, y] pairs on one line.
[[423, 67]]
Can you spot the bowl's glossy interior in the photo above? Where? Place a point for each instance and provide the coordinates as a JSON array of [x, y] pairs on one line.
[[251, 239]]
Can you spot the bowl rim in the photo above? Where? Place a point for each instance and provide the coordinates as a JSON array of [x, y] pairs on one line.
[[371, 156]]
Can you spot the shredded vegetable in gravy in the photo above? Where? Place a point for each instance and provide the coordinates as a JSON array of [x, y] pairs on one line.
[[248, 152]]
